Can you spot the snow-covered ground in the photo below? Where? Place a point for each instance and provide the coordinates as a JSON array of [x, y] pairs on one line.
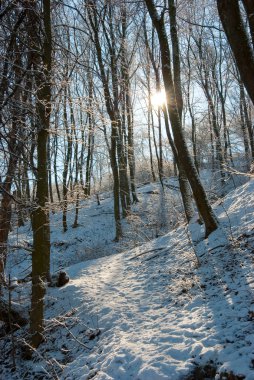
[[155, 311]]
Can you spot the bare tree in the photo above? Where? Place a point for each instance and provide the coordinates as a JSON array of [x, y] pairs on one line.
[[13, 96], [174, 107], [42, 65]]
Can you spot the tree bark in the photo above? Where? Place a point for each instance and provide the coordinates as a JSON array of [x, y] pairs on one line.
[[233, 24]]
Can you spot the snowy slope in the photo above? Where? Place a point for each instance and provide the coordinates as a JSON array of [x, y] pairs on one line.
[[157, 311], [155, 214]]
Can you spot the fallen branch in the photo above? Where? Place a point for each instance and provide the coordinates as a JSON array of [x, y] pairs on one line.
[[218, 246], [172, 187], [150, 250], [102, 213]]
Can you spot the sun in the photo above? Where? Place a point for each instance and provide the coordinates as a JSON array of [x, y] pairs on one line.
[[158, 99]]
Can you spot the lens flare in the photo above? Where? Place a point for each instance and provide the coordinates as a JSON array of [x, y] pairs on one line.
[[158, 99]]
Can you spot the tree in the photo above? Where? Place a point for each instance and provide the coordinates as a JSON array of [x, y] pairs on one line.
[[172, 84], [13, 95], [111, 106], [40, 216]]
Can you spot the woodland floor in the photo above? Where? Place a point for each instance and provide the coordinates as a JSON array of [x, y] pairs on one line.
[[164, 308]]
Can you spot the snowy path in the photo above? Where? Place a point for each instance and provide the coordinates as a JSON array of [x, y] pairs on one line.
[[135, 309], [159, 313]]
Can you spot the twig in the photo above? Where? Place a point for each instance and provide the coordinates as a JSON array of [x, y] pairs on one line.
[[151, 257], [17, 247], [72, 335], [48, 362], [234, 171], [150, 250], [11, 327]]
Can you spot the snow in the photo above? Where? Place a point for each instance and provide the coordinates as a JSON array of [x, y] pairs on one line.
[[157, 310]]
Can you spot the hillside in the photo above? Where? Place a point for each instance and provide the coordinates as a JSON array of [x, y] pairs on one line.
[[160, 310]]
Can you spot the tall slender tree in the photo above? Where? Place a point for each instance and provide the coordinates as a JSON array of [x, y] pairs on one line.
[[42, 65], [172, 85]]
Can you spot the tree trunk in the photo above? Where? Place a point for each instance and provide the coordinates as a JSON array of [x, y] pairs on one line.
[[128, 109], [249, 8], [131, 156], [247, 121], [190, 109], [14, 144], [40, 214], [49, 173], [150, 145], [87, 188], [238, 39], [5, 214], [123, 176], [67, 160], [183, 181], [149, 124], [55, 168], [244, 130], [110, 106]]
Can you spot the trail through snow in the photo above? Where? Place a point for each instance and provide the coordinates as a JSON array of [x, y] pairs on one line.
[[131, 299]]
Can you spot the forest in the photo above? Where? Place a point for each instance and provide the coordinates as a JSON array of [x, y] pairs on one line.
[[126, 189]]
